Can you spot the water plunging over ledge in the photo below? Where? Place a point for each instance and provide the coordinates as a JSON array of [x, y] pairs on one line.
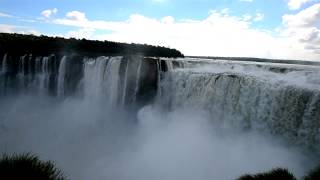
[[157, 118]]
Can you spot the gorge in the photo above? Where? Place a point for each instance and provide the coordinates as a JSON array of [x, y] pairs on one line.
[[143, 117]]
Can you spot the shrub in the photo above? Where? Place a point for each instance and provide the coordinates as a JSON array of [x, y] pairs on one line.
[[278, 173], [29, 167], [313, 174]]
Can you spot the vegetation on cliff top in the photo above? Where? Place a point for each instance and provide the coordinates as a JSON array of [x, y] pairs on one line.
[[44, 45]]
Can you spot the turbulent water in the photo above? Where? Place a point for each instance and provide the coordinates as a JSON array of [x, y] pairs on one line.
[[247, 97], [148, 118]]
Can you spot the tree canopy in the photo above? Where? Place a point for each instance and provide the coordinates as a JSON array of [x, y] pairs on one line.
[[44, 45]]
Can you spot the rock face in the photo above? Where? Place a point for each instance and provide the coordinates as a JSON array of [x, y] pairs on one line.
[[121, 80]]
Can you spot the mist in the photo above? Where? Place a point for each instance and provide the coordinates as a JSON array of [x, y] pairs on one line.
[[88, 140]]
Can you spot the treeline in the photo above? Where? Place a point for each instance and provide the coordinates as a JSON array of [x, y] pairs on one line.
[[44, 45]]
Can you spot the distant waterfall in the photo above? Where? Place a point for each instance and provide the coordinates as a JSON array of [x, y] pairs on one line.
[[2, 74], [22, 65], [113, 78], [101, 79], [269, 102], [124, 93], [159, 79], [94, 77], [4, 64], [137, 83], [277, 99], [169, 65], [44, 75], [61, 77]]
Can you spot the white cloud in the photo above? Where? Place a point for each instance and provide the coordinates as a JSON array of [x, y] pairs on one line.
[[246, 0], [5, 15], [5, 28], [30, 31], [49, 12], [167, 20], [159, 1], [259, 17], [296, 4], [247, 17], [305, 18], [76, 16], [303, 27], [220, 34], [81, 33]]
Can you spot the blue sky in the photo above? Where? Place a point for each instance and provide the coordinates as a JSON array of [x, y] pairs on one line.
[[256, 28]]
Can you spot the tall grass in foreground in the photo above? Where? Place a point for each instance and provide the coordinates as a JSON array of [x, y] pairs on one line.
[[278, 173], [28, 167], [282, 174], [313, 174]]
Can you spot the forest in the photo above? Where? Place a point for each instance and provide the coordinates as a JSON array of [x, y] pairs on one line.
[[44, 45]]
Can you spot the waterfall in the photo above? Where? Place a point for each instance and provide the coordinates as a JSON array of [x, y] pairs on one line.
[[169, 65], [159, 78], [30, 66], [22, 65], [136, 108], [37, 74], [95, 78], [38, 64], [264, 101], [101, 79], [44, 76], [124, 93], [4, 64], [137, 83], [113, 78], [2, 75], [61, 77]]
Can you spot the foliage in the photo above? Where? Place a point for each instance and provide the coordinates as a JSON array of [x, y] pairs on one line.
[[44, 45], [278, 173], [313, 174], [28, 166]]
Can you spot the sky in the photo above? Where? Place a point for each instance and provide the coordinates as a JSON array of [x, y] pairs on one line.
[[281, 29]]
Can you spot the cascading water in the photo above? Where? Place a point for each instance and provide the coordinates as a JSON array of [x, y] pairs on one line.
[[136, 89], [256, 99], [101, 79], [4, 64], [94, 77], [112, 73], [169, 65], [2, 74], [22, 65], [192, 119], [61, 77], [44, 76], [124, 93], [159, 92]]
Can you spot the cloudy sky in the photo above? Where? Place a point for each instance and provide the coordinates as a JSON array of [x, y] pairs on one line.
[[286, 29]]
